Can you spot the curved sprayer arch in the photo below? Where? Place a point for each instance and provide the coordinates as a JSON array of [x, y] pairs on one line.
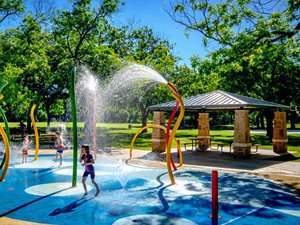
[[2, 85], [172, 135], [6, 144], [36, 133], [159, 127]]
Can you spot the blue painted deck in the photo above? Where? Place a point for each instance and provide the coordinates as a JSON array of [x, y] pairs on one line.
[[41, 192]]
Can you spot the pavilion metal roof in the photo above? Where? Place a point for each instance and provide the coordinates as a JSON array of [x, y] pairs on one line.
[[219, 100]]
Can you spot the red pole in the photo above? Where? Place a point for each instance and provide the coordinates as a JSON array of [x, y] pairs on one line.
[[170, 122], [214, 195]]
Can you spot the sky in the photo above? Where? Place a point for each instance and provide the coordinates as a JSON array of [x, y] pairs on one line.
[[152, 14], [149, 13]]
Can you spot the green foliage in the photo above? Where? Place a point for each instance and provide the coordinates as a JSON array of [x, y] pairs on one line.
[[73, 28], [25, 65], [9, 8], [259, 47], [144, 47], [258, 55]]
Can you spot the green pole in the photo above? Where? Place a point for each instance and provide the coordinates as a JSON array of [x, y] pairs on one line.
[[74, 120], [7, 134], [2, 85], [6, 123]]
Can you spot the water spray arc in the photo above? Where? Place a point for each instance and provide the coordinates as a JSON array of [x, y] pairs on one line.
[[169, 135], [95, 126], [36, 133], [88, 101]]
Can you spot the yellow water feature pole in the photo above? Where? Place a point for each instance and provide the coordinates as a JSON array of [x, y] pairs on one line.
[[172, 135], [6, 144], [159, 127], [36, 133]]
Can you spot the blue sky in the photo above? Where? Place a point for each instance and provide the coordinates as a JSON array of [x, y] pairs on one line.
[[152, 14]]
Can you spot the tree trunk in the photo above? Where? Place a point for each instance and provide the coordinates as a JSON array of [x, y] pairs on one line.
[[269, 118], [48, 114], [257, 119], [262, 121], [144, 119], [196, 116], [145, 113], [29, 123], [293, 117]]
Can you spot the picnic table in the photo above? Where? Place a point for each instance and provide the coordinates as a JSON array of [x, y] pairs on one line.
[[200, 144]]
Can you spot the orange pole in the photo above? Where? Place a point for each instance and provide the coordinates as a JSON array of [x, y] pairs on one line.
[[176, 125]]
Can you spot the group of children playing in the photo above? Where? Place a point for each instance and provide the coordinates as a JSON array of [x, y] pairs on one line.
[[86, 159], [58, 145]]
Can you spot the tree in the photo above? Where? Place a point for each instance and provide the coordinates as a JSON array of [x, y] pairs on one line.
[[10, 8], [26, 51], [143, 46], [259, 44], [226, 22], [73, 29]]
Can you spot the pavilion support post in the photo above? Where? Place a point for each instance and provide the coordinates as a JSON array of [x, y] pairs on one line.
[[158, 135], [241, 142], [280, 139], [203, 131]]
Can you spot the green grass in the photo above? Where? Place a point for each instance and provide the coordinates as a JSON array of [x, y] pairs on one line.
[[119, 135]]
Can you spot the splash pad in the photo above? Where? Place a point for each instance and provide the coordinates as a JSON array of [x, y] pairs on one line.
[[142, 195], [143, 76], [130, 77], [38, 192]]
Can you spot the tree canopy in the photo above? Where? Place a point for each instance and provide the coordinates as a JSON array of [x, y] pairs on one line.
[[257, 53]]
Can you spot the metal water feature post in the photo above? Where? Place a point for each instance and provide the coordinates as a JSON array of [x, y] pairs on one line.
[[36, 133], [74, 122], [214, 195], [2, 85]]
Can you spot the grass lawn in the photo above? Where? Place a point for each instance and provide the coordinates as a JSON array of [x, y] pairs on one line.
[[119, 135]]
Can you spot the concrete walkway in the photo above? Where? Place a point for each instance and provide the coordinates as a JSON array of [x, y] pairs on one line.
[[265, 162]]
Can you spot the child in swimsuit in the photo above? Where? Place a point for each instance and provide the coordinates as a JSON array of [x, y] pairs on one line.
[[25, 148], [88, 162], [59, 147]]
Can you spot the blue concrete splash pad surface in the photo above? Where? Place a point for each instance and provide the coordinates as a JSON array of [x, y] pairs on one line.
[[40, 191]]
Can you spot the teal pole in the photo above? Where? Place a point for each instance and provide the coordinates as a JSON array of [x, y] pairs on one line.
[[74, 120], [2, 85], [7, 133], [6, 123]]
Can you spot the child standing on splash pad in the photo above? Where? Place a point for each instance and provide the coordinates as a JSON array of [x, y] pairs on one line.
[[88, 162], [59, 147], [25, 148]]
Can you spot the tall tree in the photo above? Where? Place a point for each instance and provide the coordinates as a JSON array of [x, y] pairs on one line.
[[143, 46], [26, 56], [10, 8], [259, 44], [73, 28]]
